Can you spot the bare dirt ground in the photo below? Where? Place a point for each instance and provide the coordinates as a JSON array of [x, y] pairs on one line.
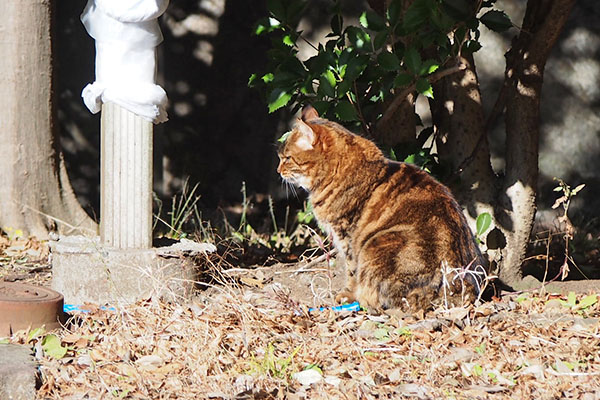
[[250, 336]]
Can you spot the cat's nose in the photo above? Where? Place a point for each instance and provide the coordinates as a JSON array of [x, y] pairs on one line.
[[279, 168]]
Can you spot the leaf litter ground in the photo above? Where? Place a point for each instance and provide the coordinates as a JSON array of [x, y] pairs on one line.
[[250, 335]]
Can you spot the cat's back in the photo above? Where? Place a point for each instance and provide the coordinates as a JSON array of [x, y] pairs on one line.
[[409, 199]]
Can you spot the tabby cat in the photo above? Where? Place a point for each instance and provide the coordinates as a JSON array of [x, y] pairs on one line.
[[393, 224]]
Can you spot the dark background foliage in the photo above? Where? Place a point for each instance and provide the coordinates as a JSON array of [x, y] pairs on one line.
[[220, 133]]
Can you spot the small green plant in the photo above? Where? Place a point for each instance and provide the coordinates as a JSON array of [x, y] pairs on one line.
[[314, 366], [306, 215], [382, 334], [564, 201], [13, 234], [522, 297], [53, 347], [481, 348], [404, 331], [183, 208], [483, 223], [581, 305], [271, 365]]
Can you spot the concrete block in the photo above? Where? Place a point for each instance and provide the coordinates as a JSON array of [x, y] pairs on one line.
[[18, 373], [84, 270]]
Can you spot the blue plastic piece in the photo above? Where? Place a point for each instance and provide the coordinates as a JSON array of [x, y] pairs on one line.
[[72, 307], [345, 307]]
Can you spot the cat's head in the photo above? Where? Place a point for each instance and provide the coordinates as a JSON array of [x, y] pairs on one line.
[[316, 148], [302, 150]]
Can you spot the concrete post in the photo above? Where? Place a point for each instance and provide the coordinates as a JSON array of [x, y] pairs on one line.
[[121, 266], [125, 179]]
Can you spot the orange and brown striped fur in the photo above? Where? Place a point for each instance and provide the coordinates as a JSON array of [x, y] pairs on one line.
[[393, 224]]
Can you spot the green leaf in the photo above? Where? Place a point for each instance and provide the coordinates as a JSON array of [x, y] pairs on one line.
[[344, 87], [394, 11], [262, 26], [363, 20], [319, 63], [345, 111], [266, 78], [460, 10], [371, 20], [278, 98], [587, 301], [404, 331], [571, 300], [284, 78], [35, 333], [358, 37], [276, 8], [442, 21], [325, 86], [293, 65], [316, 367], [577, 189], [287, 40], [496, 20], [381, 334], [321, 106], [388, 61], [330, 77], [356, 66], [416, 15], [522, 297], [483, 223], [284, 137], [251, 80], [403, 80], [380, 39], [481, 348], [424, 87], [429, 67], [412, 60], [53, 348], [337, 23], [472, 46]]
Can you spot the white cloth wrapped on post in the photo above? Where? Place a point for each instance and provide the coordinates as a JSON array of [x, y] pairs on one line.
[[126, 34]]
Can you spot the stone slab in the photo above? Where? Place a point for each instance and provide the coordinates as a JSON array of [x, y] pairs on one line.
[[85, 271], [18, 373]]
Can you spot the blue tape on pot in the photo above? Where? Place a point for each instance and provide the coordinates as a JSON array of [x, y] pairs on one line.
[[345, 307], [72, 307]]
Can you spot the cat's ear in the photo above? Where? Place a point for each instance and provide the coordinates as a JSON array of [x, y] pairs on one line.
[[309, 113], [307, 136]]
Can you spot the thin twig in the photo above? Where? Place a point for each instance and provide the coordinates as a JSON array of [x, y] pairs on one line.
[[398, 99], [317, 260], [71, 227]]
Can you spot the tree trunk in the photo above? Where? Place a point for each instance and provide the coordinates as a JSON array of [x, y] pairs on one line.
[[525, 62], [35, 193], [462, 141]]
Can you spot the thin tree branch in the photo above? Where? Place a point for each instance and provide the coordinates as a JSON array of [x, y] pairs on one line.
[[400, 97]]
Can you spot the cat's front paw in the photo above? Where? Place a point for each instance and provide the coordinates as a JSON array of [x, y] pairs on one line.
[[345, 296]]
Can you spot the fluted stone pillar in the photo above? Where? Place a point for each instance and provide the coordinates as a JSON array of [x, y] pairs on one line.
[[125, 179]]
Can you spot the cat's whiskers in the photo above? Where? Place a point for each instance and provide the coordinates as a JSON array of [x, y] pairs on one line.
[[289, 186]]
